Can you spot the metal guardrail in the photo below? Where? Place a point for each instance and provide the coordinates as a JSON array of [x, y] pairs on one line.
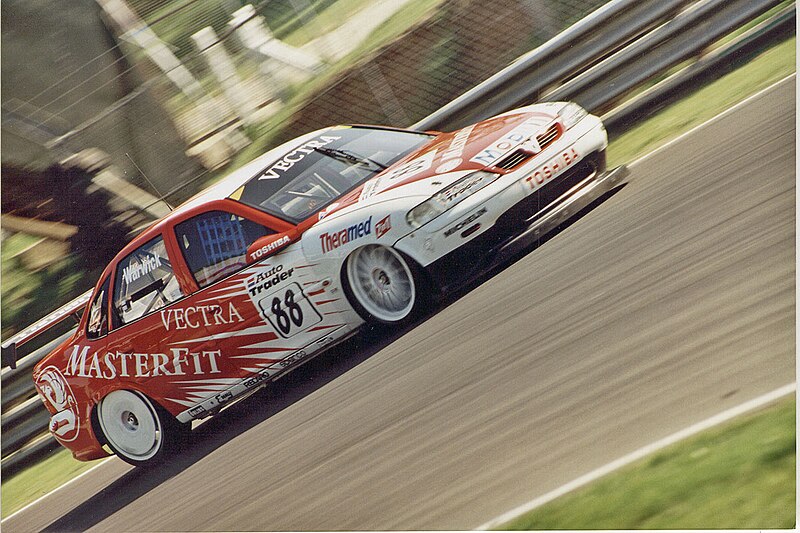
[[712, 65], [601, 59], [597, 62]]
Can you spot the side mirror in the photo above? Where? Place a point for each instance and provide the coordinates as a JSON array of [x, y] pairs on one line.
[[266, 246]]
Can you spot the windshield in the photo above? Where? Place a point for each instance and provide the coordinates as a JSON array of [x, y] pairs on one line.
[[324, 168]]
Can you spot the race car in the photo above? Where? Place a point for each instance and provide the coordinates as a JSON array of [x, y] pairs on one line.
[[292, 253]]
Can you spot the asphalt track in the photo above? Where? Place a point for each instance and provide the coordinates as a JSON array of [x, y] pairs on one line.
[[670, 302]]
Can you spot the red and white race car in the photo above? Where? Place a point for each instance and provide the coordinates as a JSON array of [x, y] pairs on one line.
[[292, 253]]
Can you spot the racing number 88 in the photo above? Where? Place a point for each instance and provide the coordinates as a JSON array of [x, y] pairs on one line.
[[282, 317]]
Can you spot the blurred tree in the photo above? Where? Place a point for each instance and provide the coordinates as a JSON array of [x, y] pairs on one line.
[[66, 194]]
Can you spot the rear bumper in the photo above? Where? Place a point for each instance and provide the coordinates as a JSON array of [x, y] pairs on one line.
[[529, 220]]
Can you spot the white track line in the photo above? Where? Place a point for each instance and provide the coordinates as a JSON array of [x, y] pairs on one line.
[[696, 428], [673, 141], [640, 453], [68, 483], [713, 119]]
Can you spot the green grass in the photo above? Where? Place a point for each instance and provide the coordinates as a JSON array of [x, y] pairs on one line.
[[769, 67], [18, 287], [755, 22], [36, 481], [321, 22], [28, 294], [405, 17], [741, 475]]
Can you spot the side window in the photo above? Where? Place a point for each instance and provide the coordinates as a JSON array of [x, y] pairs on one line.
[[215, 244], [97, 325], [144, 282]]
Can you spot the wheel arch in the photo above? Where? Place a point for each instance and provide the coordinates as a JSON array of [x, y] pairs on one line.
[[420, 274]]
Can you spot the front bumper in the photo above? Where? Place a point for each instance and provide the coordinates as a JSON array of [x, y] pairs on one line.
[[520, 206], [529, 220]]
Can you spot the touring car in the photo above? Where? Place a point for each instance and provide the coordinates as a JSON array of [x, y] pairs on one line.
[[292, 253]]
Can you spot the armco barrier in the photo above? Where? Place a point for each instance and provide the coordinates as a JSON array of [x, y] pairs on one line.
[[597, 62], [602, 58]]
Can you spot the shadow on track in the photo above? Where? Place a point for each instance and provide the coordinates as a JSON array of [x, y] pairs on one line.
[[245, 414], [235, 420]]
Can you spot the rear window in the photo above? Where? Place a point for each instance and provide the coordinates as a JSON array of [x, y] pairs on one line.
[[144, 282], [310, 177]]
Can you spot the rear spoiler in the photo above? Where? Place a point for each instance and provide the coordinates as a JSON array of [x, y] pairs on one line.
[[73, 308]]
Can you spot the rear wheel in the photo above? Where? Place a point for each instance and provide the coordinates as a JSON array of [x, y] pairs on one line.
[[383, 286], [137, 430]]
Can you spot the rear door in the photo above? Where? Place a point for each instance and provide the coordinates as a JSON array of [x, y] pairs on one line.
[[155, 345]]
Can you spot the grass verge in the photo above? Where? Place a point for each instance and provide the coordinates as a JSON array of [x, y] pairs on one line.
[[770, 66], [41, 478], [741, 475]]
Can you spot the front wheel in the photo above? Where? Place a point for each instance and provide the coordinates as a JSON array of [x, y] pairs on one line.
[[383, 286], [138, 431]]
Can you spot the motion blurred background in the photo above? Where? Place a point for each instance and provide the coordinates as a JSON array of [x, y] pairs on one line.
[[113, 110]]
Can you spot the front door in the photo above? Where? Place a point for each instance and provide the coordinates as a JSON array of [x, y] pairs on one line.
[[275, 311]]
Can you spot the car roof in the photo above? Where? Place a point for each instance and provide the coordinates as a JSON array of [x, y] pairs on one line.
[[219, 191], [230, 183]]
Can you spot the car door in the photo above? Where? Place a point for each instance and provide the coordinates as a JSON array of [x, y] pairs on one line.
[[156, 345], [275, 309]]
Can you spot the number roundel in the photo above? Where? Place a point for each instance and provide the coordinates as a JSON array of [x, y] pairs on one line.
[[295, 312], [281, 317], [289, 311], [285, 320]]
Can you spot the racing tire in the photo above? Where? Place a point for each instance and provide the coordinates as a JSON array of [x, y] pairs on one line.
[[139, 431], [384, 286]]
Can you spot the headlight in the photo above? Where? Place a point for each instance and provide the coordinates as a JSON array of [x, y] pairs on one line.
[[449, 197], [571, 114]]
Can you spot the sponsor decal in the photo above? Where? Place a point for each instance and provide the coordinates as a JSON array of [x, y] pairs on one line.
[[201, 315], [295, 156], [331, 241], [551, 168], [289, 311], [412, 168], [178, 362], [137, 269], [450, 164], [267, 373], [292, 359], [224, 396], [197, 411], [271, 247], [259, 378], [54, 388], [267, 279], [451, 157], [383, 226], [522, 133], [369, 189], [472, 218], [404, 171]]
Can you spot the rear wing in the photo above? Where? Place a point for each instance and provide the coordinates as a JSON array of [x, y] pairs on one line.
[[73, 308]]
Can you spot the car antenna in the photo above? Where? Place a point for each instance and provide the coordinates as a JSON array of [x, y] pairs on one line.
[[160, 197]]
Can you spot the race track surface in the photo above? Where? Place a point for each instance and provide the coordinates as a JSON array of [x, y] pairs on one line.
[[667, 304]]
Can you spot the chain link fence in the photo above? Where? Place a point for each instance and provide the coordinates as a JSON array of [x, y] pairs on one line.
[[158, 98], [201, 80]]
